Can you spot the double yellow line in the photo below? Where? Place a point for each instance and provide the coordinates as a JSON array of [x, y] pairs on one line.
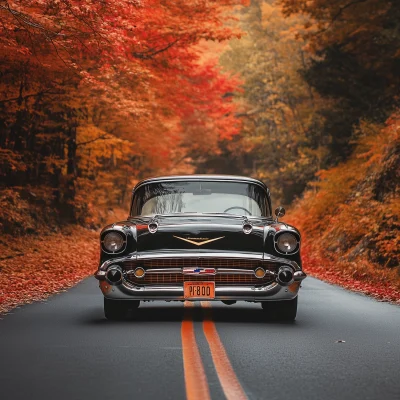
[[195, 378]]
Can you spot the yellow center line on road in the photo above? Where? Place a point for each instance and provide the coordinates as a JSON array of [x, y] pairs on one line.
[[195, 378], [226, 375]]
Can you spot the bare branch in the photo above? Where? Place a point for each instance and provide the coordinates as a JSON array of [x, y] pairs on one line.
[[101, 137], [341, 9], [25, 21], [147, 55], [249, 113], [22, 98], [338, 14]]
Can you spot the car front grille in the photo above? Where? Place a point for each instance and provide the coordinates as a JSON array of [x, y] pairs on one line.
[[177, 278]]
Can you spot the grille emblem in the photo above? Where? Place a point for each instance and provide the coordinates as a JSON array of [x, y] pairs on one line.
[[199, 271], [192, 240]]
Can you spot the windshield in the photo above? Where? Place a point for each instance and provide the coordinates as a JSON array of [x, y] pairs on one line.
[[200, 197]]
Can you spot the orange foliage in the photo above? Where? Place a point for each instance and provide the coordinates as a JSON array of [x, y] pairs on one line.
[[336, 21], [351, 220], [30, 272], [281, 140], [97, 94]]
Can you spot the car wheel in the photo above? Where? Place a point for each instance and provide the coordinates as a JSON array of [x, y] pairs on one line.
[[285, 310], [118, 309]]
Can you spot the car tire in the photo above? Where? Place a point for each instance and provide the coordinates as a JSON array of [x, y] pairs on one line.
[[116, 310], [285, 310]]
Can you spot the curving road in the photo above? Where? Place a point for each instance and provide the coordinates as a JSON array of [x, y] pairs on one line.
[[65, 349]]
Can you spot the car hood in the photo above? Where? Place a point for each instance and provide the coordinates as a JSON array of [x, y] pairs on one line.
[[200, 233]]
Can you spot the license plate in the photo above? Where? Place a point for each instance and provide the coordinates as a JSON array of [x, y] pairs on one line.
[[199, 290]]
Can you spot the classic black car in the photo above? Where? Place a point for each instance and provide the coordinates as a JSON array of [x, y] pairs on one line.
[[201, 237]]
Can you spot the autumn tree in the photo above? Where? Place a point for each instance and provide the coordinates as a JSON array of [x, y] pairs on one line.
[[356, 63], [97, 94], [281, 139], [355, 59]]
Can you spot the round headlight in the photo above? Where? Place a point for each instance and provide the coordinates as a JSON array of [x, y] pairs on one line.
[[287, 243], [113, 242]]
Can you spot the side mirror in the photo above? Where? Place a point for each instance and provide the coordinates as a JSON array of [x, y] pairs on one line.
[[279, 212]]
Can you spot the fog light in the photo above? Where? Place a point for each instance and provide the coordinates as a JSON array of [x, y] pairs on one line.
[[139, 272], [260, 272], [114, 275], [285, 276]]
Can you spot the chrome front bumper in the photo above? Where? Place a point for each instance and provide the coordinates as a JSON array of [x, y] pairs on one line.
[[272, 291]]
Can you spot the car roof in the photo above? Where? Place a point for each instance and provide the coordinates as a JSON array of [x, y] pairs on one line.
[[209, 177]]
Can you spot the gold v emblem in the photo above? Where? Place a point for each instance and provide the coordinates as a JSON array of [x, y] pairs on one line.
[[198, 243]]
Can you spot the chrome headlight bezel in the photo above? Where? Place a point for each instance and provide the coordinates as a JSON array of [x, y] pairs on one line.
[[119, 236], [280, 236]]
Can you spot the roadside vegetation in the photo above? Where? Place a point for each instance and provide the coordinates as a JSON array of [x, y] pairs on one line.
[[98, 94], [34, 267], [320, 125], [350, 219]]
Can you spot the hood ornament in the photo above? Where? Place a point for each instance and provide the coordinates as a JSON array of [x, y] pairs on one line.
[[192, 240], [153, 226]]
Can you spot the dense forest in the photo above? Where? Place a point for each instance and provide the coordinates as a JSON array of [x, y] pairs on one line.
[[321, 125], [301, 94], [97, 94]]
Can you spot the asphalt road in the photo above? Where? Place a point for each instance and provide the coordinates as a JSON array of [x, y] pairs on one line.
[[65, 349]]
